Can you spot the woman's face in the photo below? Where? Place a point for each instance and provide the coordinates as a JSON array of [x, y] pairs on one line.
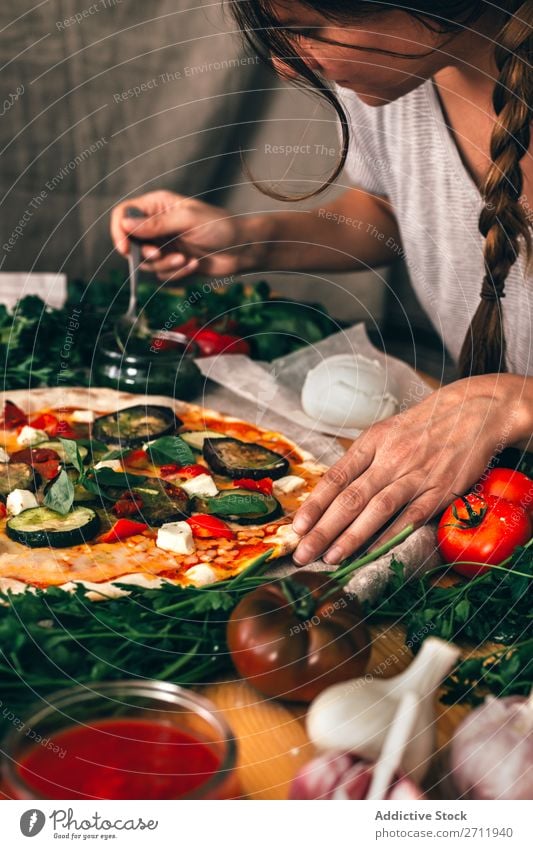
[[376, 77]]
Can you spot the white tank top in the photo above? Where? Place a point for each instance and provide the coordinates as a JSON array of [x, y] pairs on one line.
[[405, 151]]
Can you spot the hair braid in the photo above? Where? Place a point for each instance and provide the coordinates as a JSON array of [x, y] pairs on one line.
[[503, 221]]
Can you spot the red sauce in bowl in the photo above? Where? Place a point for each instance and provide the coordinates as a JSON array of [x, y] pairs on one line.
[[119, 759]]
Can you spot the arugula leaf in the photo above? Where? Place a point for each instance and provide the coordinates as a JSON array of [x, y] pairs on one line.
[[170, 449], [60, 495]]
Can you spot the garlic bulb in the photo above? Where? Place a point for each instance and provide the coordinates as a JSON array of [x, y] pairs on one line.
[[345, 777], [348, 390], [355, 716], [492, 750]]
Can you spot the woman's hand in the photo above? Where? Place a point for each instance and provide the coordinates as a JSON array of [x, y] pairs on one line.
[[412, 464], [181, 236]]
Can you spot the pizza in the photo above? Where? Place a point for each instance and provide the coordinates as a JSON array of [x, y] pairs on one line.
[[104, 488]]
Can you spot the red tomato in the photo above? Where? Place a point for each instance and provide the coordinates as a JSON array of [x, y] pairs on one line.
[[483, 531], [13, 416], [128, 504], [3, 510], [265, 485], [205, 527], [509, 484]]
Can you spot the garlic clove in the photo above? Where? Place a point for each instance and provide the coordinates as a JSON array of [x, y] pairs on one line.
[[401, 731], [355, 716]]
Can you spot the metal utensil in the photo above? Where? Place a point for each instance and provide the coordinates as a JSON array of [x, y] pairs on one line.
[[126, 323]]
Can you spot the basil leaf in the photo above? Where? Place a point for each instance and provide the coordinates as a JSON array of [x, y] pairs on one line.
[[235, 504], [60, 495], [107, 477], [116, 454], [72, 454], [170, 449]]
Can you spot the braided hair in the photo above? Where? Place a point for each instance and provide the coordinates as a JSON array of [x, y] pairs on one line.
[[503, 221]]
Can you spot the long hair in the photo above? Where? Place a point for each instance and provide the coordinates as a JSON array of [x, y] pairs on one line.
[[503, 221]]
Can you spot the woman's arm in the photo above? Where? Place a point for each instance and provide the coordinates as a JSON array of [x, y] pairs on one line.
[[183, 236], [411, 465], [352, 232]]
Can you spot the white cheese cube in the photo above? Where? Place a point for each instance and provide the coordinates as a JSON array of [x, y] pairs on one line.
[[288, 484], [114, 465], [200, 485], [20, 500], [30, 436], [176, 537], [201, 575], [83, 416], [4, 456]]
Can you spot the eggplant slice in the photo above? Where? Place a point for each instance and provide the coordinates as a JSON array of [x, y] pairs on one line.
[[17, 476], [133, 426], [162, 501], [236, 459]]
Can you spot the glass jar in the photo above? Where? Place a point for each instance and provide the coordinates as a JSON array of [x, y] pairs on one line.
[[123, 740], [146, 368]]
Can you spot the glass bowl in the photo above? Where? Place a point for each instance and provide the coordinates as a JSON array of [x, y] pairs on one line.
[[189, 753]]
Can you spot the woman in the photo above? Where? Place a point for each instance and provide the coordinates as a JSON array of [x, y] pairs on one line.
[[439, 102]]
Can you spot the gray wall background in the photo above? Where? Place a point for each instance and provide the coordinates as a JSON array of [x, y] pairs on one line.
[[107, 100]]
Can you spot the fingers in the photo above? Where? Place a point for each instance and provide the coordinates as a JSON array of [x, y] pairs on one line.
[[367, 521], [342, 511], [336, 479], [165, 214], [190, 267], [417, 513]]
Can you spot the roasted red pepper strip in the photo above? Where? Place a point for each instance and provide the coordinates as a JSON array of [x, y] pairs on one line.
[[3, 510], [13, 416], [122, 529], [169, 469], [48, 470], [265, 485], [46, 421], [193, 471], [63, 429], [137, 458], [207, 527]]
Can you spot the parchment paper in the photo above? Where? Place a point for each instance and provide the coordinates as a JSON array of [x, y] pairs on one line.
[[278, 385]]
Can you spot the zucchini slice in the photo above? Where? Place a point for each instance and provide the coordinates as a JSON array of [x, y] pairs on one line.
[[39, 527], [17, 476], [162, 502], [236, 459], [134, 425], [196, 438], [242, 506], [56, 446]]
